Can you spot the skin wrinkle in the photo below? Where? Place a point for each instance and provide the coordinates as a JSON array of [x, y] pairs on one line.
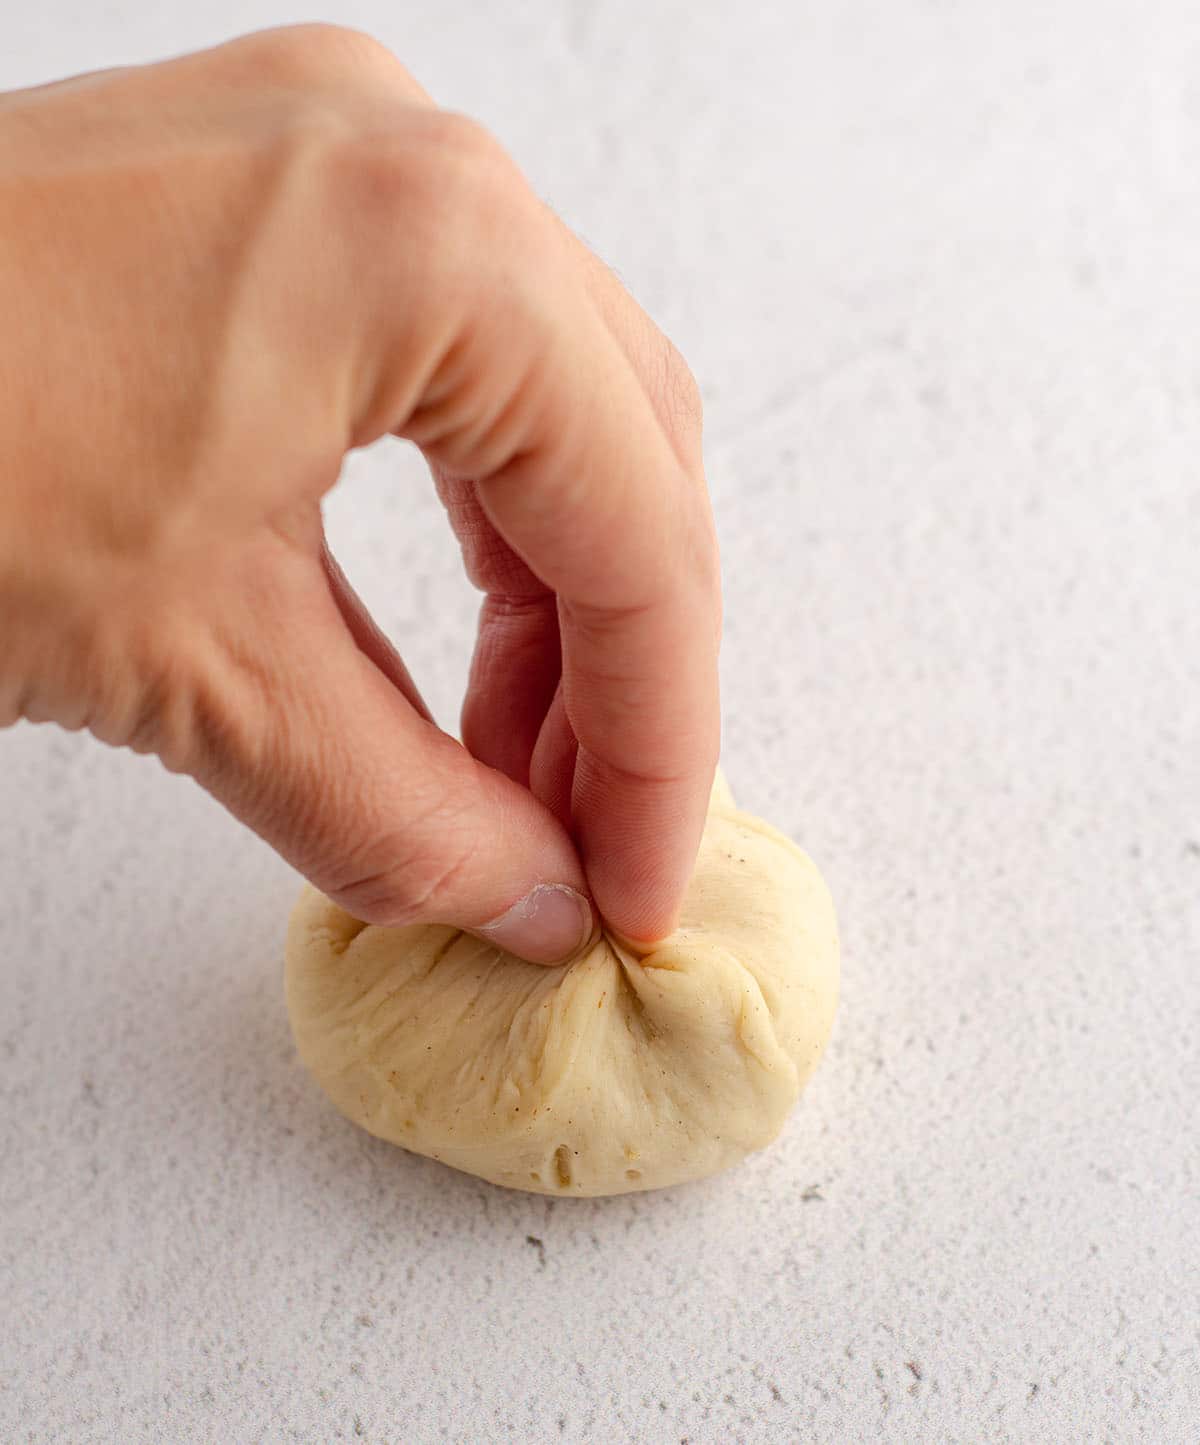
[[492, 565], [395, 882], [514, 673], [493, 432]]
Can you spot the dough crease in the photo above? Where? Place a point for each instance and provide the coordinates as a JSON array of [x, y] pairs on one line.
[[610, 1074]]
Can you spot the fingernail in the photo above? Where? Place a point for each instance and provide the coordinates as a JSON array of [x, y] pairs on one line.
[[550, 924]]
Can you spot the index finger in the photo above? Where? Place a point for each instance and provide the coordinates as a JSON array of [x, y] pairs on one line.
[[601, 508], [596, 499], [500, 365]]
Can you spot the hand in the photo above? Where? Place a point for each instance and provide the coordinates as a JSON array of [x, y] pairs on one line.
[[218, 275]]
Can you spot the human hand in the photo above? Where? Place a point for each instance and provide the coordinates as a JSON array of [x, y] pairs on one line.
[[219, 274]]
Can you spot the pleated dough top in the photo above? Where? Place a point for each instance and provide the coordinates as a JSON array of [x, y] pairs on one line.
[[613, 1073]]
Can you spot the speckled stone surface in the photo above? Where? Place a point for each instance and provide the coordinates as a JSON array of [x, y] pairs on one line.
[[937, 268]]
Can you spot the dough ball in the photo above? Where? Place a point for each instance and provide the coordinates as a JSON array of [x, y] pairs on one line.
[[613, 1073]]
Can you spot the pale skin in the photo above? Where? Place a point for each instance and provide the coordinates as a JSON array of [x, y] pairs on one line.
[[220, 274]]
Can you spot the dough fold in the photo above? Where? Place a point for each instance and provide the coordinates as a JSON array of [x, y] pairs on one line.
[[609, 1074]]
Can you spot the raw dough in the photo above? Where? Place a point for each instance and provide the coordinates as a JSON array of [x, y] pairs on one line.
[[610, 1074]]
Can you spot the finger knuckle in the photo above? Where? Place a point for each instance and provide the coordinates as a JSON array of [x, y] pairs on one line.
[[467, 180], [483, 188], [458, 142], [415, 885], [471, 229], [141, 690], [316, 53]]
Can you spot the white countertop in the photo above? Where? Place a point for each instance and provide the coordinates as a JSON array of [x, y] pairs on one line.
[[937, 269]]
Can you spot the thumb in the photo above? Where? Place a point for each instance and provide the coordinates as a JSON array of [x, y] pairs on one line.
[[317, 750]]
